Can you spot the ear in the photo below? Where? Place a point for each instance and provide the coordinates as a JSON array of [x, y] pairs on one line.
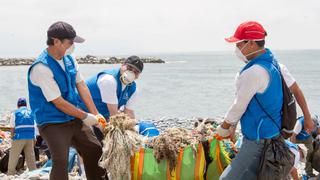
[[56, 41]]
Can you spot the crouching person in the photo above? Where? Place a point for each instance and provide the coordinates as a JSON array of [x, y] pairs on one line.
[[115, 90], [301, 136], [300, 155]]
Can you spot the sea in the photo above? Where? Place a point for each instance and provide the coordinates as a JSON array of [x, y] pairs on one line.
[[187, 85]]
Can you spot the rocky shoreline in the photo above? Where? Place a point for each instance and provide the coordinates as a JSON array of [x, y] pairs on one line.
[[89, 59]]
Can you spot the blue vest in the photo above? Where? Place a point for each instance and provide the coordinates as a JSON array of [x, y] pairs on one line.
[[45, 112], [24, 124], [303, 135], [291, 145], [123, 96], [255, 123]]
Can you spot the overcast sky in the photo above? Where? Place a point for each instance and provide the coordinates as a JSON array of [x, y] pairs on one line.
[[115, 27]]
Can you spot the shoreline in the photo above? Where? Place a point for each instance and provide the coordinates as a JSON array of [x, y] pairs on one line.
[[88, 59]]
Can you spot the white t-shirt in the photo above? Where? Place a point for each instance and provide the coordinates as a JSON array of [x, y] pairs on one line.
[[42, 76], [251, 81], [296, 157], [107, 85], [288, 78], [297, 127]]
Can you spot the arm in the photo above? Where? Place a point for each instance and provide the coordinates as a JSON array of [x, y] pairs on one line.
[[130, 113], [251, 81], [225, 125], [298, 94], [113, 109], [294, 174], [296, 130], [293, 138], [86, 97], [295, 89], [68, 108]]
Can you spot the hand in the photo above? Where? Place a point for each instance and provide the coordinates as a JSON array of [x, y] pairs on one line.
[[90, 120], [102, 121], [233, 133], [308, 124], [224, 133]]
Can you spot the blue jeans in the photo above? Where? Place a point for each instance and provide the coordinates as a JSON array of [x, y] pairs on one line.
[[246, 163]]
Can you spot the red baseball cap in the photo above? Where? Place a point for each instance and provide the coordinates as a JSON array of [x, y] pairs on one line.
[[249, 30]]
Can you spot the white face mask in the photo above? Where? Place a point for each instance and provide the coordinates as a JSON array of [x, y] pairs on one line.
[[70, 50], [127, 77], [243, 57], [240, 55]]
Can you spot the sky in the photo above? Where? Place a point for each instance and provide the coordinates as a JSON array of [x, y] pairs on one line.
[[116, 27]]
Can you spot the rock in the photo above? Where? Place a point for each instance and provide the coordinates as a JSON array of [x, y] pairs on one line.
[[88, 59]]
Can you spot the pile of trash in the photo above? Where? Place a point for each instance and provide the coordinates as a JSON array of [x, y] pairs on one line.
[[5, 140], [123, 144]]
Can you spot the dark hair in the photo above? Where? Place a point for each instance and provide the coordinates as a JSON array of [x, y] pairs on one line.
[[22, 102], [50, 41], [260, 43]]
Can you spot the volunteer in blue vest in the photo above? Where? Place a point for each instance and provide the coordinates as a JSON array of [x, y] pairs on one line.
[[53, 82], [115, 90], [23, 136], [301, 136], [260, 80]]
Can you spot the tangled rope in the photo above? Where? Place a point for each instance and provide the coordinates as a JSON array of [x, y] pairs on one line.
[[168, 144], [204, 129], [120, 143]]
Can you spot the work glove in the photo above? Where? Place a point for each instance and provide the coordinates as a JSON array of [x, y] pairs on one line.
[[90, 120], [102, 121], [224, 133]]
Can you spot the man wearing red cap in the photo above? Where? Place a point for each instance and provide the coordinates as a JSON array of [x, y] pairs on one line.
[[258, 90]]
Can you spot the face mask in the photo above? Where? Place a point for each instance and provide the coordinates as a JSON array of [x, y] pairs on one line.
[[243, 57], [127, 77], [70, 50], [240, 55]]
